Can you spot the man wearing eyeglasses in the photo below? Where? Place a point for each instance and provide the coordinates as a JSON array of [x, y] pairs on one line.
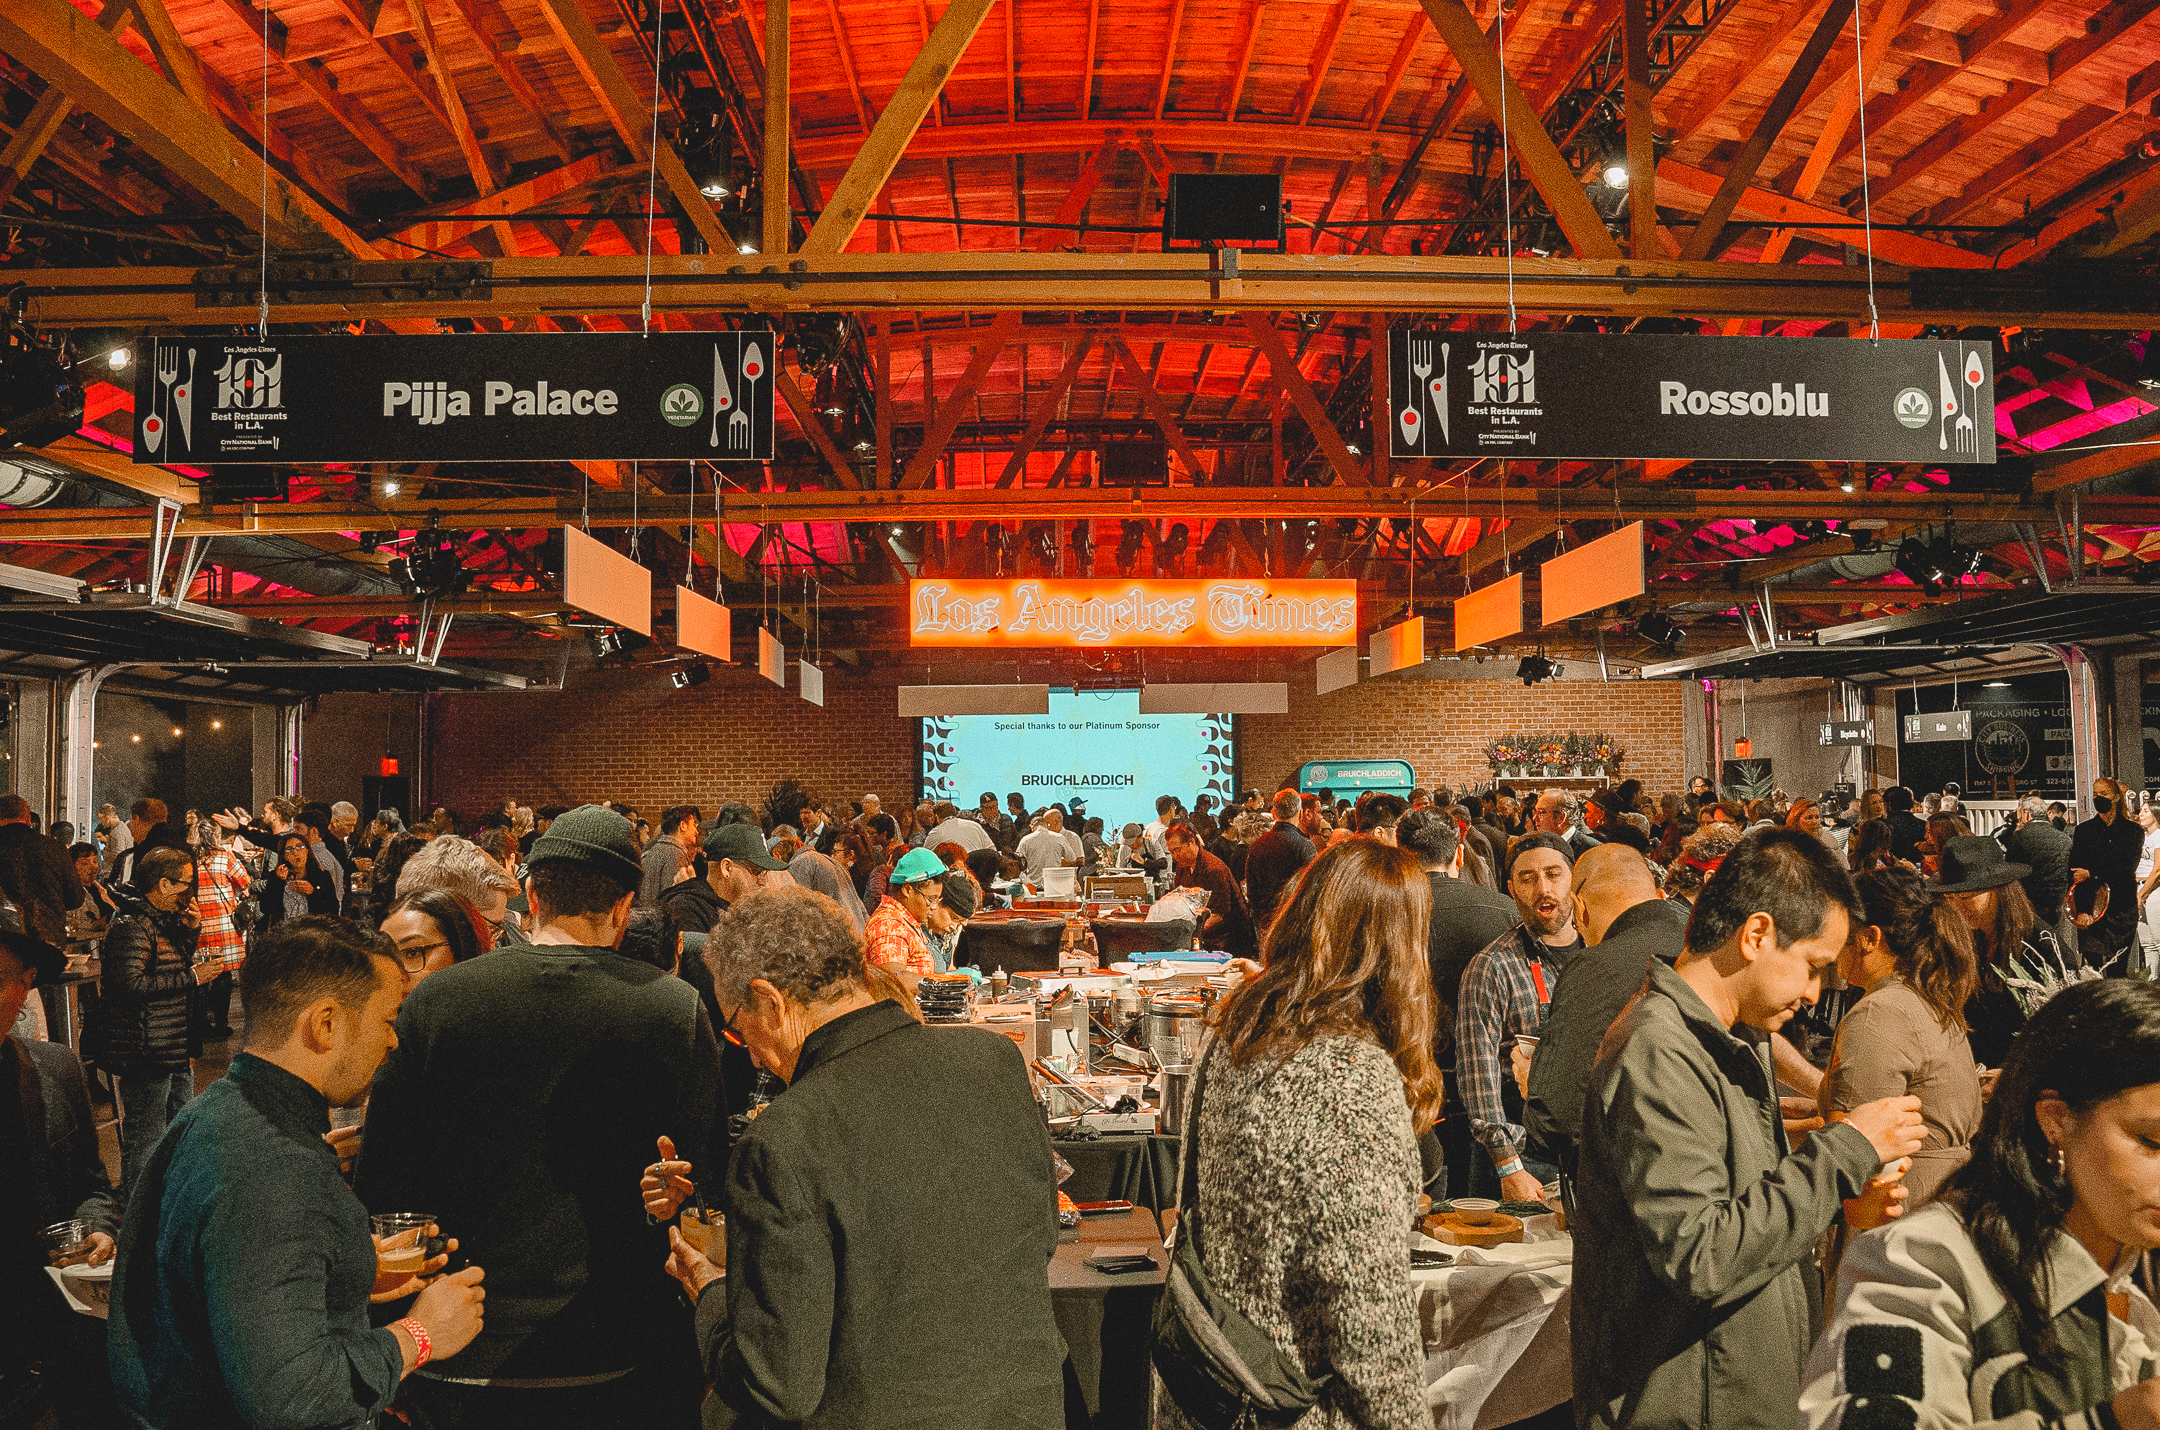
[[522, 1083]]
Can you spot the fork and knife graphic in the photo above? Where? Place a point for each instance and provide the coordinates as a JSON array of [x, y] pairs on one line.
[[1967, 434], [741, 432], [166, 397], [1426, 387]]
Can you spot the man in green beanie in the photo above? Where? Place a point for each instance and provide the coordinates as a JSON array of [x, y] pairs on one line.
[[528, 1086]]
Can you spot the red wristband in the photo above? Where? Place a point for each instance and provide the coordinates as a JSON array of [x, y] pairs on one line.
[[421, 1343]]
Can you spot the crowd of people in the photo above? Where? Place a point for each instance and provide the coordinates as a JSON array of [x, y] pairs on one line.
[[1845, 1103]]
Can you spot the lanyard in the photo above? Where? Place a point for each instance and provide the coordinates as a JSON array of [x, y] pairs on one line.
[[1537, 976]]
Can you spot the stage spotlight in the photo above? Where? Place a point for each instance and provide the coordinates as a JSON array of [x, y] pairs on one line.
[[1661, 630], [119, 357], [1083, 546], [694, 674], [433, 566], [1613, 168], [1175, 543], [1128, 550], [1535, 668], [708, 149], [40, 400], [818, 339], [614, 642], [1216, 548]]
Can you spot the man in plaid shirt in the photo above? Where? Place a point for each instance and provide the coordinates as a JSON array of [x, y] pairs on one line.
[[1506, 990]]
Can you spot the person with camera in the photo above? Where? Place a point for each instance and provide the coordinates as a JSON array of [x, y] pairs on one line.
[[243, 1292]]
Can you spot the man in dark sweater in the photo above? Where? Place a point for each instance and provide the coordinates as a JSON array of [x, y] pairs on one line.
[[1907, 829], [2041, 846], [527, 1089], [871, 1232], [243, 1293], [1625, 923], [1276, 858], [1228, 922], [1465, 918]]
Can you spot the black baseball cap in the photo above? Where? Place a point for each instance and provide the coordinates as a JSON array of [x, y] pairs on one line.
[[744, 844]]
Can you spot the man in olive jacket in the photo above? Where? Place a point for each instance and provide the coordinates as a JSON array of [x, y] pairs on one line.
[[1694, 1219]]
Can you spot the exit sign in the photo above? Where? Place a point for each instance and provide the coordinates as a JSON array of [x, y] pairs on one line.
[[1946, 725]]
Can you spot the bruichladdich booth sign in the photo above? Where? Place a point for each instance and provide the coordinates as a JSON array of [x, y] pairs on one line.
[[1591, 395], [482, 397], [1100, 614]]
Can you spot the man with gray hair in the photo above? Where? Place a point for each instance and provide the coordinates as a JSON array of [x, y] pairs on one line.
[[459, 866], [1559, 812], [2041, 846], [822, 1316], [118, 839]]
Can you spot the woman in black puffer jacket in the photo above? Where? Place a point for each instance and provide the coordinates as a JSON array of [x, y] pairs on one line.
[[149, 979]]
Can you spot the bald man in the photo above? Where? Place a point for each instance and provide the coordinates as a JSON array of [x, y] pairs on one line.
[[1625, 922]]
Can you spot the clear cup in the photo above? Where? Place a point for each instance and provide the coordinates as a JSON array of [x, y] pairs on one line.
[[706, 1230], [67, 1243], [400, 1248]]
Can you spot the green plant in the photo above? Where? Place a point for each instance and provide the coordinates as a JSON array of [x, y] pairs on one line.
[[789, 798]]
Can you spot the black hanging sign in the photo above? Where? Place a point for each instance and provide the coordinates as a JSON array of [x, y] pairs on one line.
[[483, 397], [1594, 395]]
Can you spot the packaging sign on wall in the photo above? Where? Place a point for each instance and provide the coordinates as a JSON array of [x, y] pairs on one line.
[[1594, 395], [481, 397], [2020, 741], [1097, 614]]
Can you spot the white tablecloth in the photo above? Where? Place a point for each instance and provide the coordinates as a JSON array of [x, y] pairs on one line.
[[1495, 1328]]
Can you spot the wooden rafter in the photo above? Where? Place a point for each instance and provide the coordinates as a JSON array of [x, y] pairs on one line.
[[485, 180], [1740, 173], [1405, 50], [778, 227], [631, 114], [49, 113], [1347, 468], [1322, 59], [1169, 58], [1158, 411], [1541, 159], [1637, 95], [812, 423], [1253, 11], [321, 82], [174, 58], [538, 110], [1047, 407], [517, 199], [889, 138], [954, 409], [847, 66], [68, 48], [1753, 60]]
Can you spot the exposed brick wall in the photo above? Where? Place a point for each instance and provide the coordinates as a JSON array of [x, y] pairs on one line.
[[1441, 726], [633, 737]]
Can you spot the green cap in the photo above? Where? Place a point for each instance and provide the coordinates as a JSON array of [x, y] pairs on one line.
[[915, 866], [595, 836], [744, 844]]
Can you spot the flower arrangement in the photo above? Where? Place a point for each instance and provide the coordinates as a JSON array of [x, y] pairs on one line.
[[1505, 751], [1530, 754], [2045, 977]]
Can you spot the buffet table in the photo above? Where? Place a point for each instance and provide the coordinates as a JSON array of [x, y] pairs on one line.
[[1105, 1322], [1139, 1167], [1495, 1327]]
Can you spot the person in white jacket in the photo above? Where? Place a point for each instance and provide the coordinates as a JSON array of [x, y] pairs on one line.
[[2022, 1299]]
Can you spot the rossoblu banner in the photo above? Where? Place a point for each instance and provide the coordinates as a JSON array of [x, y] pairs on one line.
[[473, 397], [1611, 396], [1093, 745]]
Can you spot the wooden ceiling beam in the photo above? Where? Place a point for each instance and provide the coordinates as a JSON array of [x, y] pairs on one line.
[[631, 115], [49, 112], [1169, 58], [174, 58], [1753, 60], [320, 81], [68, 48], [1254, 9], [863, 113], [538, 110], [1541, 159], [812, 423], [1637, 100], [514, 201], [1682, 186], [2082, 128], [1158, 411], [1321, 60], [889, 138], [1740, 173], [1390, 83], [775, 220], [482, 169]]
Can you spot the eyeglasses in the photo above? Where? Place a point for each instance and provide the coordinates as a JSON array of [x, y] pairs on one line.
[[415, 959], [727, 1029]]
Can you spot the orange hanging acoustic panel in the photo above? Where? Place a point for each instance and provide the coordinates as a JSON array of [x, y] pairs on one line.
[[703, 626], [1489, 614], [603, 582], [1593, 576], [1097, 614], [1398, 647]]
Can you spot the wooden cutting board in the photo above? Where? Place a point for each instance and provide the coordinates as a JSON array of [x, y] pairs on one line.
[[1449, 1227]]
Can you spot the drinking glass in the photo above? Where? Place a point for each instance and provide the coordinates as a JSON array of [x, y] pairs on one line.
[[400, 1248], [66, 1242], [706, 1230]]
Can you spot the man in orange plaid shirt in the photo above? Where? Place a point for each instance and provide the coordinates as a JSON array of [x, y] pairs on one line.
[[894, 936]]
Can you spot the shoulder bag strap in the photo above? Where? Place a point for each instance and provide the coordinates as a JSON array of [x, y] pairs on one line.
[[1189, 1183]]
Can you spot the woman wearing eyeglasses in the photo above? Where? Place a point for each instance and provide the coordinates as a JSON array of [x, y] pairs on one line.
[[432, 930], [295, 886]]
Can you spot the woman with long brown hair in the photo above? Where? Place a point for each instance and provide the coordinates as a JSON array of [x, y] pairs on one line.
[[1906, 1035], [1309, 1099], [1983, 886]]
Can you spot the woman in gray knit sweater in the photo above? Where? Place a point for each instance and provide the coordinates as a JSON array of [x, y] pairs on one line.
[[1319, 1079]]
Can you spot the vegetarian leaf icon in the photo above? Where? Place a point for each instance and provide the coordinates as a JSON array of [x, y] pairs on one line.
[[680, 402]]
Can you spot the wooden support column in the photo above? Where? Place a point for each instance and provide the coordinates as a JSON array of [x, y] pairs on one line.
[[874, 162], [773, 173], [1741, 172], [1641, 152], [1541, 159], [1347, 468], [1382, 417]]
